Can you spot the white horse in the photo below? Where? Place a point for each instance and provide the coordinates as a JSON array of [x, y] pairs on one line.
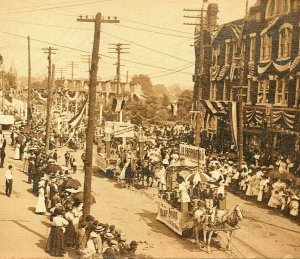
[[218, 221]]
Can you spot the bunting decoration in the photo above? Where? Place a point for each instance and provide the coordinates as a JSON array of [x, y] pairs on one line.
[[75, 121], [214, 72], [71, 99], [223, 72], [295, 63], [262, 69], [254, 115], [217, 108], [284, 118], [237, 30], [251, 70], [279, 67]]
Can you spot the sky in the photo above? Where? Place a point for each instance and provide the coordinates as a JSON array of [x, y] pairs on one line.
[[159, 43]]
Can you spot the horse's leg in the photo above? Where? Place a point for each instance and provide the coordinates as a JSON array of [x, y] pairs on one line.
[[196, 233], [208, 241], [229, 235]]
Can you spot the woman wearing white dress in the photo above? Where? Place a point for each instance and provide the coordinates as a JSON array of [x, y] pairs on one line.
[[40, 205], [17, 152]]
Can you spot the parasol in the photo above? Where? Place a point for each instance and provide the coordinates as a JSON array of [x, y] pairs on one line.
[[198, 177], [274, 173], [53, 168], [79, 196], [72, 183], [288, 176]]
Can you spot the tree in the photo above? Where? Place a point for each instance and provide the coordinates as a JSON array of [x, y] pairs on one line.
[[185, 105], [144, 81]]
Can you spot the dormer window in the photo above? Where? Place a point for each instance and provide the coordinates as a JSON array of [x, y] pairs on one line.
[[285, 41], [277, 7]]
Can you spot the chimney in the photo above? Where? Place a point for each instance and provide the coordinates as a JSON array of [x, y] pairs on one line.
[[212, 12]]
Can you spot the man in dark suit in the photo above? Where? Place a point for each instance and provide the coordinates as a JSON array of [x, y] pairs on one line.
[[2, 157]]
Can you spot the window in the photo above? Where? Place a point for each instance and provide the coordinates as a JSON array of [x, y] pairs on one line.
[[281, 95], [244, 51], [285, 42], [215, 55], [266, 47], [252, 49], [213, 91], [228, 53], [277, 7], [263, 92]]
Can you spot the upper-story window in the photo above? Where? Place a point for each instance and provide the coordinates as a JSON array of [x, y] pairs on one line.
[[252, 48], [266, 47], [263, 92], [228, 52], [277, 7], [285, 41], [281, 95], [215, 55]]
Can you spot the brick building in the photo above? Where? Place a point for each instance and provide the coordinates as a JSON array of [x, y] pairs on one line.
[[264, 49]]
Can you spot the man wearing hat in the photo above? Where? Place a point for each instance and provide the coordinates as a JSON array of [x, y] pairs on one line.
[[8, 181]]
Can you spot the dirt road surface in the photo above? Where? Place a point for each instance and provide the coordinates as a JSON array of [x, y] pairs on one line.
[[263, 233]]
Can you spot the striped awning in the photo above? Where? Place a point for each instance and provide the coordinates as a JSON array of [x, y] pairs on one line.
[[217, 108]]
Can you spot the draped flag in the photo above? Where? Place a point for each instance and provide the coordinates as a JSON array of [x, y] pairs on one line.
[[217, 108], [223, 72], [118, 104], [174, 108], [75, 121], [232, 110]]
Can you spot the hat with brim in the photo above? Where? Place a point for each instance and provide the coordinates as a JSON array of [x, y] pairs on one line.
[[109, 235], [72, 190], [123, 237]]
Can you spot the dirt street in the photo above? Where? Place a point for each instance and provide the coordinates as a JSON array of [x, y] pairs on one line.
[[263, 234]]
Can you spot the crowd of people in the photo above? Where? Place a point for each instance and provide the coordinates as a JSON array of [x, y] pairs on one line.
[[59, 199]]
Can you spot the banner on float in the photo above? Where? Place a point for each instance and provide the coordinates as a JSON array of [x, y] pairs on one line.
[[170, 216], [7, 119], [196, 154]]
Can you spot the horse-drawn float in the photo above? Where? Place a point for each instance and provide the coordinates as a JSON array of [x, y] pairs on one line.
[[194, 203]]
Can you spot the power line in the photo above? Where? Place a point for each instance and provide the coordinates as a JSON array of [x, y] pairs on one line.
[[162, 33], [84, 51], [159, 27], [55, 7], [74, 28]]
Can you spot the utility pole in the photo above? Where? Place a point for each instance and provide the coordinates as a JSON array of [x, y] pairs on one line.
[[72, 65], [98, 20], [198, 83], [2, 81], [49, 51], [29, 111], [118, 50]]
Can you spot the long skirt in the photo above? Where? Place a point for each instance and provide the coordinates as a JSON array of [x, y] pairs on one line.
[[56, 242], [70, 235], [40, 205]]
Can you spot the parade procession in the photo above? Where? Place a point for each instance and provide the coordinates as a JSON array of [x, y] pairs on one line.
[[119, 140]]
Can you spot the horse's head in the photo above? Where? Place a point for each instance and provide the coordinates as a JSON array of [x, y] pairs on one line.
[[239, 212]]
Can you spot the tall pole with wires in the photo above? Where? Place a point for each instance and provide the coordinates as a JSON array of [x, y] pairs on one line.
[[98, 20], [198, 80], [50, 52], [118, 50], [29, 111]]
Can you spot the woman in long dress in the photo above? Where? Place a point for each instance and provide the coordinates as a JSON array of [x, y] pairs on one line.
[[56, 240], [17, 151], [40, 205]]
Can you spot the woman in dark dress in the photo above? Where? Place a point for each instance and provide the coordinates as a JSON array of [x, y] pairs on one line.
[[56, 240]]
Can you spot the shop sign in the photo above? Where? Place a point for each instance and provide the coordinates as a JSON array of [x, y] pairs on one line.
[[170, 216]]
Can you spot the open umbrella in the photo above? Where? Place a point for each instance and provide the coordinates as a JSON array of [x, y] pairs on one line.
[[79, 196], [274, 173], [53, 168], [38, 135], [72, 183], [198, 177], [288, 176]]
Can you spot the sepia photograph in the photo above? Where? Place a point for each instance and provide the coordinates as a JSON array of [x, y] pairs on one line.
[[134, 129]]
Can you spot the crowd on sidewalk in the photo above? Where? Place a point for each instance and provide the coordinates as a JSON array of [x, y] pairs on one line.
[[59, 199]]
